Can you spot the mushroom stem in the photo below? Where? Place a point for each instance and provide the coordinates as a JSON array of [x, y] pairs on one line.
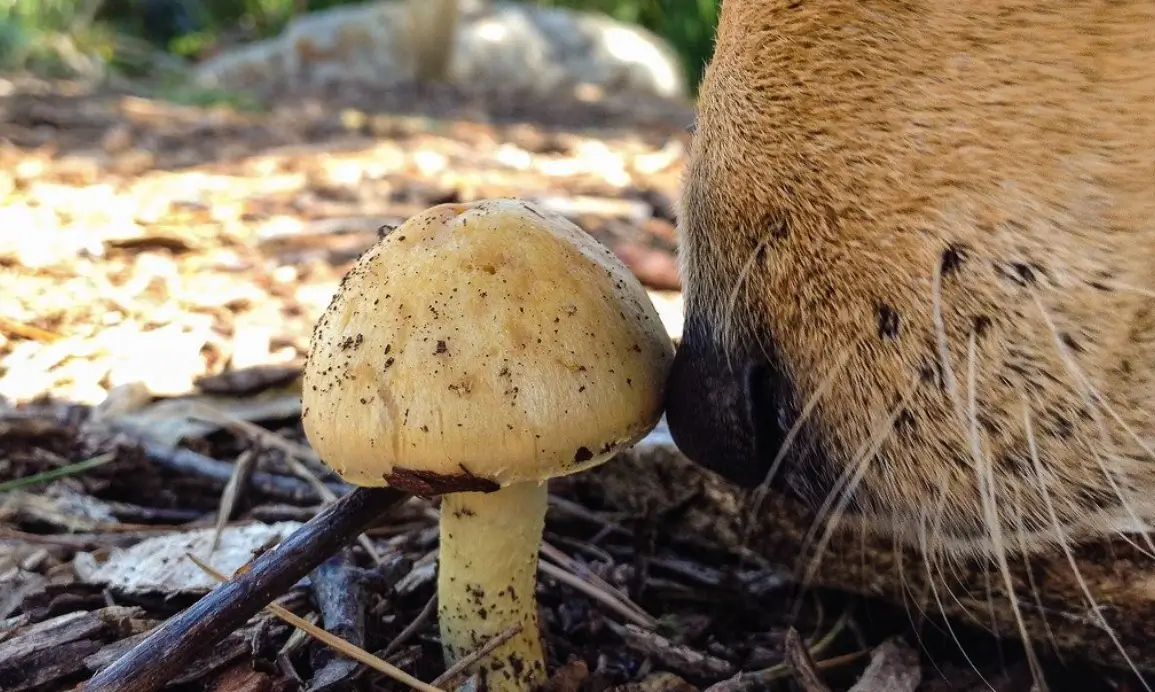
[[487, 576]]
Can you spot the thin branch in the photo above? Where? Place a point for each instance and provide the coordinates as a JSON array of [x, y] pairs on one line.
[[173, 646], [487, 648], [356, 653]]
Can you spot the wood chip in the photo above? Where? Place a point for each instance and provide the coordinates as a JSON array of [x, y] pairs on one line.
[[241, 677], [56, 648], [894, 667]]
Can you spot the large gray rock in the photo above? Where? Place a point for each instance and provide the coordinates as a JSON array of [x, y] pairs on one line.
[[524, 47]]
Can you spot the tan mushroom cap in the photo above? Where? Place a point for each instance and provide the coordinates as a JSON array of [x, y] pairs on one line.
[[483, 344]]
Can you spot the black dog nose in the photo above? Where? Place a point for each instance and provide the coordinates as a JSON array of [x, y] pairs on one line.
[[723, 411]]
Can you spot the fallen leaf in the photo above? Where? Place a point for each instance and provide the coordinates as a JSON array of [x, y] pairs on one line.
[[159, 565]]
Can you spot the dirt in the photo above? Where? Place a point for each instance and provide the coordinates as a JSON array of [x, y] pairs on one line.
[[178, 256]]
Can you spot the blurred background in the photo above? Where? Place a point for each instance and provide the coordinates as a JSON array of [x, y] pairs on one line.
[[192, 177], [63, 36]]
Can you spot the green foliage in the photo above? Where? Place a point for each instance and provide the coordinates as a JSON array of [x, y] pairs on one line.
[[691, 30], [48, 15], [192, 44], [57, 37], [262, 18]]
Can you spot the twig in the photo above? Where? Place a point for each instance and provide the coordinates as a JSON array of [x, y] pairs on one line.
[[147, 518], [337, 643], [577, 510], [296, 639], [758, 679], [413, 627], [273, 485], [580, 546], [573, 565], [268, 437], [180, 640], [461, 666], [633, 614], [677, 657], [329, 496], [293, 452], [86, 541], [799, 658], [242, 472]]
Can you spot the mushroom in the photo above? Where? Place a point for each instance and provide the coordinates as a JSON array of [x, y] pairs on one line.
[[473, 353]]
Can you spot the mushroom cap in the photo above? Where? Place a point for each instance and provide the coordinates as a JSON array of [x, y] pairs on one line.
[[483, 344]]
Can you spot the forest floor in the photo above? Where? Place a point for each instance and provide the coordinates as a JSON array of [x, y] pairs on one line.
[[161, 268]]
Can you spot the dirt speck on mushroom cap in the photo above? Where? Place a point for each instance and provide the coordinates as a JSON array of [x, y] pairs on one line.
[[476, 334]]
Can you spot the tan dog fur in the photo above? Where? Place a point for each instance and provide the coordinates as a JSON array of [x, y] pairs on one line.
[[856, 163]]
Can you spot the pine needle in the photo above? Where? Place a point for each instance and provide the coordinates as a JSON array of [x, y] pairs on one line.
[[62, 472], [354, 652]]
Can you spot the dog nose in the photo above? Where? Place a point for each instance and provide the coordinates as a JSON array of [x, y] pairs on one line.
[[722, 409]]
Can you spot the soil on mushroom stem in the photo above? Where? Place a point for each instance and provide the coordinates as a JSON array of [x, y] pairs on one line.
[[191, 249]]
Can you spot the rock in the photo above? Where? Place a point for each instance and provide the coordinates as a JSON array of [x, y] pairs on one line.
[[253, 66], [552, 48], [508, 44], [352, 43]]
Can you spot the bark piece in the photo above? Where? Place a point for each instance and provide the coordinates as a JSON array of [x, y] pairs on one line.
[[56, 648], [894, 667]]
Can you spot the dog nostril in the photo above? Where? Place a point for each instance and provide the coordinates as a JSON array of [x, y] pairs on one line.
[[767, 413], [724, 415]]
